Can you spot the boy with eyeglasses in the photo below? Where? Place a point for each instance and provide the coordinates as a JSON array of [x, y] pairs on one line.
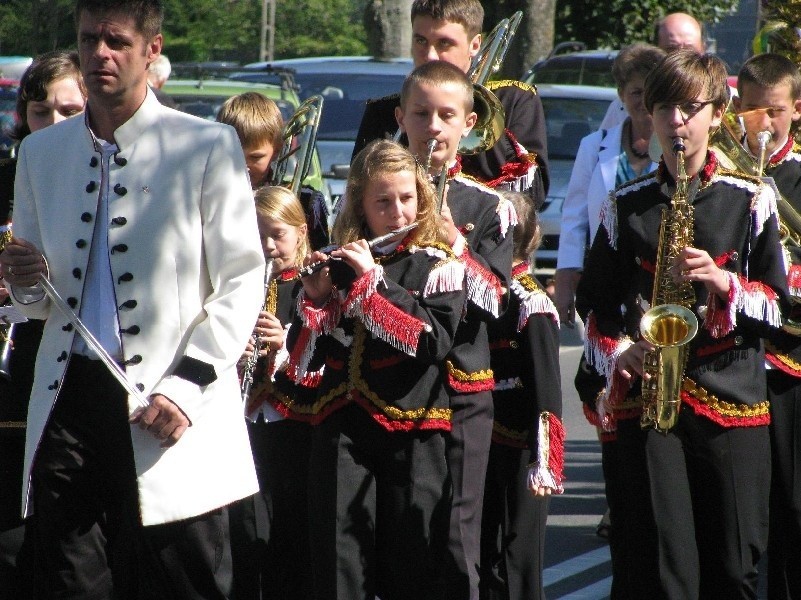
[[769, 104], [707, 474]]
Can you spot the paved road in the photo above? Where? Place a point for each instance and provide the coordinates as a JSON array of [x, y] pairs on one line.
[[577, 560]]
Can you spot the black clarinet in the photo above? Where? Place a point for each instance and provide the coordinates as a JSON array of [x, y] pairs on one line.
[[250, 364]]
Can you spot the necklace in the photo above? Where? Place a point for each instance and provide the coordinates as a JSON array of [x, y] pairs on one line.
[[634, 151]]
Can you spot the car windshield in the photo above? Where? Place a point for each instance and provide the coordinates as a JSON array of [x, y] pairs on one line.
[[568, 120], [345, 96]]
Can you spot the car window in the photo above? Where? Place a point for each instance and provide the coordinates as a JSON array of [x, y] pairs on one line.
[[345, 96], [568, 120], [574, 70]]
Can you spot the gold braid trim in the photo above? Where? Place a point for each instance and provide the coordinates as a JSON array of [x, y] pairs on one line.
[[511, 434], [271, 299], [12, 424], [722, 407], [460, 375], [783, 358], [494, 85], [360, 385]]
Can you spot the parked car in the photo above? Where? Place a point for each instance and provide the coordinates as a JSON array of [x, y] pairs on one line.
[[346, 83], [586, 67], [203, 98], [571, 112]]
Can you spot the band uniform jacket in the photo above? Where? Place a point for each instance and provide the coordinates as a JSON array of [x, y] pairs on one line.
[[383, 338], [524, 347], [524, 135], [783, 350], [735, 222], [271, 383], [188, 274], [485, 219]]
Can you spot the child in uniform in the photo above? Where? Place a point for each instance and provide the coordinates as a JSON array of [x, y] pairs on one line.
[[259, 125], [769, 87], [382, 324], [436, 104], [526, 460], [281, 562], [707, 476]]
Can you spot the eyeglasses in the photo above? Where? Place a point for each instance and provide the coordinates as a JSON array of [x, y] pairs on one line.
[[687, 109]]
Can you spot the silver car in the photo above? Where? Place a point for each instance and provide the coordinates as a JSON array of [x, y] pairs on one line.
[[571, 112]]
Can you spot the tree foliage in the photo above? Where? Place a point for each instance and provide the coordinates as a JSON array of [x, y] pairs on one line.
[[619, 22], [201, 29]]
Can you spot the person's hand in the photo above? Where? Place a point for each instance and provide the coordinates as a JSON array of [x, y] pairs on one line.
[[358, 255], [565, 284], [540, 491], [317, 285], [693, 264], [630, 362], [270, 333], [21, 263], [163, 419]]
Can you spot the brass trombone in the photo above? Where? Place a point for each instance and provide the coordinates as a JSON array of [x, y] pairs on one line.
[[299, 135]]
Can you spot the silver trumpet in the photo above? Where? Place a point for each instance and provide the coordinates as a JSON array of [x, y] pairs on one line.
[[763, 137]]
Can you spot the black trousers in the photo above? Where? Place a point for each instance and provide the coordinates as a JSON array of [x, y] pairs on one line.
[[633, 537], [512, 529], [89, 543], [709, 491], [270, 531], [467, 453], [377, 503], [784, 533]]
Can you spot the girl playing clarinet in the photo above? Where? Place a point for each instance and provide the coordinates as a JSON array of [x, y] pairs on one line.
[[382, 322], [271, 535]]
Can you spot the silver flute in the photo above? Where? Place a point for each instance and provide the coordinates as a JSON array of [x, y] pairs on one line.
[[373, 243]]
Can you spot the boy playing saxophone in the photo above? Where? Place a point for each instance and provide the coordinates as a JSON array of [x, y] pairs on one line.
[[704, 478]]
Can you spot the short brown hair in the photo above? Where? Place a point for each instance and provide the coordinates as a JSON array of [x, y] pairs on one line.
[[280, 204], [148, 15], [255, 117], [770, 70], [468, 13], [684, 75], [526, 233], [33, 85], [436, 73], [633, 61], [378, 158]]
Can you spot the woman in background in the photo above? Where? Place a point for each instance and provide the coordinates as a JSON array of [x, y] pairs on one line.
[[51, 90]]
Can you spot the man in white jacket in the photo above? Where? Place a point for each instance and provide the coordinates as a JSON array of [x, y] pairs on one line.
[[143, 219]]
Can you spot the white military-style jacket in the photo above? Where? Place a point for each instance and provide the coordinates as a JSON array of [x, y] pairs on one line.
[[188, 272]]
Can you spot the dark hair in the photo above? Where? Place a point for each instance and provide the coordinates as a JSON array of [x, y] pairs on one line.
[[633, 61], [147, 14], [437, 72], [43, 71], [684, 75], [770, 70], [468, 13]]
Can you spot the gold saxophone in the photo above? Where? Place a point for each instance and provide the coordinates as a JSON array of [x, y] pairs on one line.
[[669, 324]]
